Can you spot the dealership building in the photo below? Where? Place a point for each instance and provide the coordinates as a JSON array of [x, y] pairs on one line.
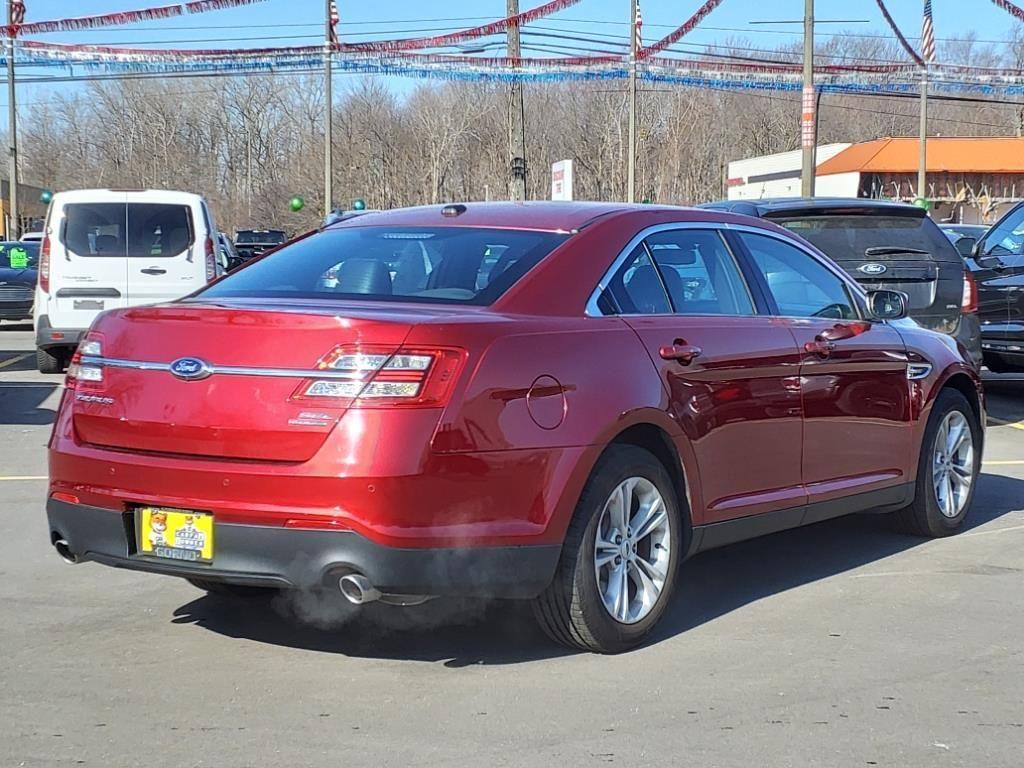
[[970, 180]]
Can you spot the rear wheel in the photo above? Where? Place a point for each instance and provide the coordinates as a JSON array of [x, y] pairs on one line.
[[619, 561], [947, 471], [48, 361], [223, 589]]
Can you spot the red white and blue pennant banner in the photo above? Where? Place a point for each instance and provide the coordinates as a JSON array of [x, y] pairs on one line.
[[120, 17]]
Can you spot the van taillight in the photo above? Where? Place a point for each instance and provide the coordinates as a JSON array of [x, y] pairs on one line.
[[366, 377], [969, 303], [44, 264], [211, 261]]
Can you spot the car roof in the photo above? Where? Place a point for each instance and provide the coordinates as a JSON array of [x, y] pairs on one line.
[[540, 215], [781, 206], [132, 196]]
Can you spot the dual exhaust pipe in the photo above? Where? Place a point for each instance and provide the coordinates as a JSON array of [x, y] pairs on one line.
[[358, 590]]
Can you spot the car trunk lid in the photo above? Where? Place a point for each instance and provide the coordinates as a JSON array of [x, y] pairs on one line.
[[245, 408]]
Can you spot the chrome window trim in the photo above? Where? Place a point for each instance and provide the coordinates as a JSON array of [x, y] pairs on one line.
[[227, 370], [593, 310]]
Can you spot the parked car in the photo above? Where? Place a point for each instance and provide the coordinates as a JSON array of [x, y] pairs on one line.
[[964, 236], [254, 242], [888, 246], [106, 249], [227, 254], [629, 386], [997, 264], [18, 264]]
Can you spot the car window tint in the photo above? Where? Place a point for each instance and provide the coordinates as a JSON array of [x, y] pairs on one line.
[[1006, 240], [852, 237], [700, 273], [800, 285], [462, 265], [637, 289], [143, 230]]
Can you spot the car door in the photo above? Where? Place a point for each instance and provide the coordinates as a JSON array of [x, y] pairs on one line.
[[999, 271], [166, 258], [88, 269], [730, 374], [857, 429]]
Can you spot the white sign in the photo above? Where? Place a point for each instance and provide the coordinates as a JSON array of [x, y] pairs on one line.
[[561, 180]]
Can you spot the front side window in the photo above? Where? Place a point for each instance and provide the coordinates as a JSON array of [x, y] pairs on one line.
[[138, 230], [456, 265], [700, 273], [800, 285], [1006, 240]]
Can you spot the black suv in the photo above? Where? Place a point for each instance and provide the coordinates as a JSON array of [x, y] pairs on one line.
[[888, 246], [254, 242], [998, 267]]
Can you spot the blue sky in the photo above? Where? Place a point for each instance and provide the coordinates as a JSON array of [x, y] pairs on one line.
[[297, 22]]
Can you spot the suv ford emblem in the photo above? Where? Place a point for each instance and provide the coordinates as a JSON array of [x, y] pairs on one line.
[[872, 269], [191, 368]]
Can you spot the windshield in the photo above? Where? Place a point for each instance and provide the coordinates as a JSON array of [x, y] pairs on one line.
[[456, 265], [137, 230], [851, 237], [1007, 237], [20, 255], [253, 237]]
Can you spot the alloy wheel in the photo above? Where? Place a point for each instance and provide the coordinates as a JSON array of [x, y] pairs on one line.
[[632, 550], [953, 464]]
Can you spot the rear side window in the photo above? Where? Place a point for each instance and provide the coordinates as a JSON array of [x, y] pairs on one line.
[[867, 237], [456, 265], [700, 274], [138, 230]]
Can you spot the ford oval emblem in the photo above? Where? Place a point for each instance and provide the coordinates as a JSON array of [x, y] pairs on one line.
[[873, 269], [191, 368]]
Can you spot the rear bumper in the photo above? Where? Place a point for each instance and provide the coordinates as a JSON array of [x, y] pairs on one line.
[[303, 559], [47, 336]]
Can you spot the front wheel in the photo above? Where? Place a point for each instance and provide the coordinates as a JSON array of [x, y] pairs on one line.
[[948, 469], [619, 561]]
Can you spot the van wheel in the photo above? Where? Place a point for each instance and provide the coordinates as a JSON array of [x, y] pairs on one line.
[[223, 589], [618, 565], [49, 362], [947, 471]]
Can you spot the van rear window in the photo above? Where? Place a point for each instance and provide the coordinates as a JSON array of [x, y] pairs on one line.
[[138, 230]]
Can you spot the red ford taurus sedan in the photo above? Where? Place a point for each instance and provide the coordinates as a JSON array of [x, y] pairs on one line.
[[554, 402]]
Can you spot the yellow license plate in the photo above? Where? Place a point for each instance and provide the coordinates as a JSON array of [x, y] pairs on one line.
[[176, 534]]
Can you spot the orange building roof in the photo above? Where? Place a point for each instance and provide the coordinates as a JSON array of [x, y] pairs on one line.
[[951, 155]]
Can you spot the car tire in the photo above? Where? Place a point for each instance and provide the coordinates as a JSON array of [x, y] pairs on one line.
[[929, 516], [49, 362], [223, 589], [574, 609]]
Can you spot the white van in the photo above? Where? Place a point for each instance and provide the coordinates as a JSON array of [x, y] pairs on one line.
[[106, 248]]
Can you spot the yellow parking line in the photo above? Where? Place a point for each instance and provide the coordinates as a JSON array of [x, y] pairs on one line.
[[13, 360], [23, 477], [1005, 423]]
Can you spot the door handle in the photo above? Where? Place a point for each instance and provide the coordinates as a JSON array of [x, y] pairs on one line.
[[820, 347], [680, 351], [154, 271]]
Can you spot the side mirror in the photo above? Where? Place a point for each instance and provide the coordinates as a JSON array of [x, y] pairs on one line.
[[966, 246], [887, 305]]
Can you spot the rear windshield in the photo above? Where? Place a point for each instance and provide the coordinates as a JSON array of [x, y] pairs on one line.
[[20, 255], [250, 237], [848, 238], [456, 265], [143, 230]]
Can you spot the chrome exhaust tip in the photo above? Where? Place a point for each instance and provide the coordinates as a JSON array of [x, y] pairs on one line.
[[357, 589], [64, 550]]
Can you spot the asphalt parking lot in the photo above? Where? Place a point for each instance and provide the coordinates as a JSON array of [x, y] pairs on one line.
[[843, 644]]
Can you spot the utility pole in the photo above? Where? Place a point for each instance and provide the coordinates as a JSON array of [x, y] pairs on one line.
[[922, 154], [516, 115], [14, 230], [808, 122], [329, 109], [631, 162]]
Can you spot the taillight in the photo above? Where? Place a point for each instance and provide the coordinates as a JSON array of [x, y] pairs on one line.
[[969, 303], [44, 264], [211, 261], [372, 378], [80, 372]]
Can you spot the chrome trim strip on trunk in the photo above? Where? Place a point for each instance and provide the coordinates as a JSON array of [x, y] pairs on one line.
[[229, 370]]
